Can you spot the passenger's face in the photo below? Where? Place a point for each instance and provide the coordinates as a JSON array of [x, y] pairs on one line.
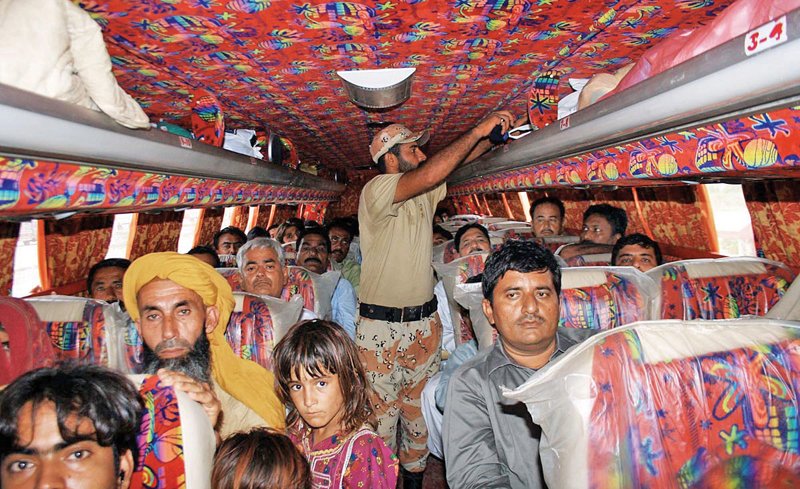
[[290, 235], [313, 254], [547, 220], [46, 460], [172, 318], [273, 232], [229, 244], [473, 241], [597, 229], [636, 256], [319, 401], [263, 273], [524, 309], [439, 239], [107, 284], [340, 244], [410, 157]]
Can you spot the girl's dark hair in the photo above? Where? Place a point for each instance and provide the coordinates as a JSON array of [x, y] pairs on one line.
[[285, 227], [522, 257], [320, 347], [260, 459]]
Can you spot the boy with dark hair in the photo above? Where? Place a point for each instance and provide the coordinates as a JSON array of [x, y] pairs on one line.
[[105, 279], [638, 251], [227, 241], [468, 239], [547, 217], [71, 426], [206, 254], [603, 224]]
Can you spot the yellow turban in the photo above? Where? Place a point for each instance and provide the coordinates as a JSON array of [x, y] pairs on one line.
[[247, 381]]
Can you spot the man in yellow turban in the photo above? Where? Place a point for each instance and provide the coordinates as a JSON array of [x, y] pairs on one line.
[[181, 307]]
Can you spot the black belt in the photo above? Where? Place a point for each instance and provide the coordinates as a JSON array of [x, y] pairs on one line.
[[397, 314]]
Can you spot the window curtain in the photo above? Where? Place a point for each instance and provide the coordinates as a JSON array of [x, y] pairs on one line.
[[9, 233], [240, 216], [71, 246], [775, 211], [315, 212], [210, 223], [155, 232]]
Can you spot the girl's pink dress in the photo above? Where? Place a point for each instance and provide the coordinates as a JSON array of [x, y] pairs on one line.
[[360, 460]]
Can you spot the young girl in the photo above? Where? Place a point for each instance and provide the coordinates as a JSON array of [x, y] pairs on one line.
[[260, 459], [326, 392]]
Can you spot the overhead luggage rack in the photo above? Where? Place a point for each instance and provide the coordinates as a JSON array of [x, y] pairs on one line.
[[721, 84], [89, 162]]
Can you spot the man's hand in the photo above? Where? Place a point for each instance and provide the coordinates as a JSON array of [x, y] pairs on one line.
[[502, 117], [198, 391]]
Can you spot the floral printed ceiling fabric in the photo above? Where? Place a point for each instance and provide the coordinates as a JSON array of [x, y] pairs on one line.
[[272, 64]]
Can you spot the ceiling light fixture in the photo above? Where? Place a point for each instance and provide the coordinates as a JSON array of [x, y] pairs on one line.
[[378, 89]]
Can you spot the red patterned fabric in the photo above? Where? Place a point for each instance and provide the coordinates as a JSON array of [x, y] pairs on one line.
[[250, 332], [9, 232], [210, 223], [726, 419], [72, 245], [775, 210], [614, 303], [160, 441], [588, 260], [728, 297], [758, 145], [300, 282], [156, 232], [543, 99], [83, 341], [240, 216], [208, 121], [29, 345]]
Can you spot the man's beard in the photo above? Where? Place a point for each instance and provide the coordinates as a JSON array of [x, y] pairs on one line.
[[404, 166], [196, 363]]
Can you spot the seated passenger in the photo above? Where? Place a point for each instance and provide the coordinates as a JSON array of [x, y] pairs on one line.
[[273, 231], [638, 251], [74, 426], [227, 241], [603, 226], [206, 254], [322, 381], [547, 217], [488, 440], [181, 306], [312, 253], [259, 459], [289, 231], [341, 233], [441, 235], [257, 232], [105, 279], [440, 216]]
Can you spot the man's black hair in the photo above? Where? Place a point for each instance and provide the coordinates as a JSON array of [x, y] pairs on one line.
[[229, 230], [106, 398], [257, 232], [437, 229], [206, 250], [615, 216], [395, 150], [522, 257], [344, 224], [640, 240], [122, 263], [466, 227], [549, 200], [317, 231]]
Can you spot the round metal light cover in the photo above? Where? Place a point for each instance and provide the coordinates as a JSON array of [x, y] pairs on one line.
[[378, 89]]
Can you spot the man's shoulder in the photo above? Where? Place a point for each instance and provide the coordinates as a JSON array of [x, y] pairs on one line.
[[476, 367]]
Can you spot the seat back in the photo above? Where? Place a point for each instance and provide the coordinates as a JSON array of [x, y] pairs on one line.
[[176, 442], [589, 260], [671, 404], [720, 289], [233, 277], [76, 326], [452, 274], [606, 297], [512, 233], [290, 253], [788, 307], [499, 226], [257, 323], [29, 345], [316, 289]]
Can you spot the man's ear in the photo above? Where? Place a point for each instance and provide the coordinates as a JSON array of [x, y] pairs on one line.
[[125, 470], [285, 275], [487, 311], [212, 318]]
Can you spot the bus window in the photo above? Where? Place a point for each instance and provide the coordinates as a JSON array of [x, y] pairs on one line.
[[227, 217], [120, 236], [526, 205], [191, 219], [26, 261], [731, 219]]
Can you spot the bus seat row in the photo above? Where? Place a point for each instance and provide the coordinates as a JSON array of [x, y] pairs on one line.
[[694, 404]]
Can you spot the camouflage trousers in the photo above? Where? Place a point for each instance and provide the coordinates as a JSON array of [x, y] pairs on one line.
[[399, 359]]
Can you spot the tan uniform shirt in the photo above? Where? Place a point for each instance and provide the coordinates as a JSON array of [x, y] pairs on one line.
[[396, 244], [235, 415]]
